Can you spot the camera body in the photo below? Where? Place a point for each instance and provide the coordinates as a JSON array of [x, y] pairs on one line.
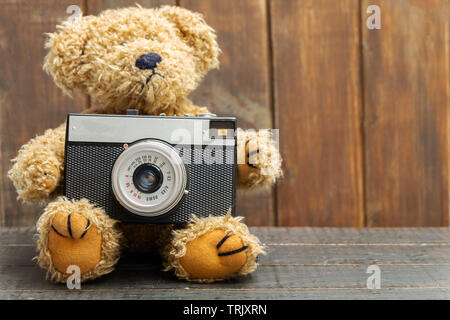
[[152, 169]]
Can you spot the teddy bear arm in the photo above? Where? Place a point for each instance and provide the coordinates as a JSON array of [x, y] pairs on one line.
[[37, 170], [259, 160]]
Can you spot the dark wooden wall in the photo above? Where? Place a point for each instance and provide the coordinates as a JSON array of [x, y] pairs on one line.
[[363, 114]]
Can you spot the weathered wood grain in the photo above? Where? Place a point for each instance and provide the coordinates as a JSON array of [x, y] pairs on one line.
[[301, 235], [406, 102], [17, 236], [318, 108], [30, 101], [309, 269], [241, 87], [227, 294], [354, 236], [267, 277], [311, 255]]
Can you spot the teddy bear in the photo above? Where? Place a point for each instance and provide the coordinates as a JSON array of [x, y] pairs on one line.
[[149, 59]]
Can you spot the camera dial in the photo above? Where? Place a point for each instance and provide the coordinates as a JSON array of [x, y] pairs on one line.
[[149, 178]]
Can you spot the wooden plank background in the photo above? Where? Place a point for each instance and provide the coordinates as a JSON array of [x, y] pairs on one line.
[[363, 114], [318, 105], [406, 101]]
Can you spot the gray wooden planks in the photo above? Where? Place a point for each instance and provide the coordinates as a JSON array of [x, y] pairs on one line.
[[267, 277], [353, 235], [302, 263], [297, 254], [282, 235], [263, 294]]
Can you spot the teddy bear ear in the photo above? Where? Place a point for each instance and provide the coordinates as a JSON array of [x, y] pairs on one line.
[[64, 58], [197, 34]]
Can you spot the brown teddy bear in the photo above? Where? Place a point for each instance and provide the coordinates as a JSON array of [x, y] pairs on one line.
[[150, 60]]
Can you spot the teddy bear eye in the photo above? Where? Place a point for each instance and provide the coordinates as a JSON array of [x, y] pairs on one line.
[[123, 43]]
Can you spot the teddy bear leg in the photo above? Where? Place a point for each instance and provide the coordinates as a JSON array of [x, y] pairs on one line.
[[75, 233], [211, 249]]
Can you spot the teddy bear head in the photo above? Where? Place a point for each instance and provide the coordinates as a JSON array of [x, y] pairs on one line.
[[146, 59]]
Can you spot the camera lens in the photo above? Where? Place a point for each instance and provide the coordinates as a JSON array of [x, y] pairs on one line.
[[147, 178]]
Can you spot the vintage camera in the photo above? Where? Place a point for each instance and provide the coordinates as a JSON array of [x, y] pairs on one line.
[[152, 169]]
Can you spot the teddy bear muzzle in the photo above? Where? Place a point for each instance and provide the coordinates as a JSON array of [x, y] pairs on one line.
[[148, 61]]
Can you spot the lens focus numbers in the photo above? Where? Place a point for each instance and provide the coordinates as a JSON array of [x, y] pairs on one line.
[[126, 177], [164, 190], [152, 198]]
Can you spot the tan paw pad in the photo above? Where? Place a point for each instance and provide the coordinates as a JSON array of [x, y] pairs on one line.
[[73, 240], [214, 255]]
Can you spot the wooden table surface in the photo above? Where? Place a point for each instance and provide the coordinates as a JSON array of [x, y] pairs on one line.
[[302, 263]]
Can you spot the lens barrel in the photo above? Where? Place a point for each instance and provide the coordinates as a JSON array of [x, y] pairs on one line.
[[148, 178]]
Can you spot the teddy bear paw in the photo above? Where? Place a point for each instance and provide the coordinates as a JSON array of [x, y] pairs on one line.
[[37, 176], [74, 240], [214, 255], [76, 234], [259, 159], [212, 248]]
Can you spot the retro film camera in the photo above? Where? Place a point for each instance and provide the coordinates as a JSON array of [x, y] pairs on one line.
[[152, 169]]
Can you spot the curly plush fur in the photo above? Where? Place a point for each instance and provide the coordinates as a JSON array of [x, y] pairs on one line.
[[196, 228], [258, 158], [96, 55], [39, 165]]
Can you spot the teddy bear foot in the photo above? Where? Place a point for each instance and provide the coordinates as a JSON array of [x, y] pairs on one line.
[[212, 249], [75, 234]]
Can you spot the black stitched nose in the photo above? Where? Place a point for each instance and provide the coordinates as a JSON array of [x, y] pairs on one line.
[[148, 61]]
